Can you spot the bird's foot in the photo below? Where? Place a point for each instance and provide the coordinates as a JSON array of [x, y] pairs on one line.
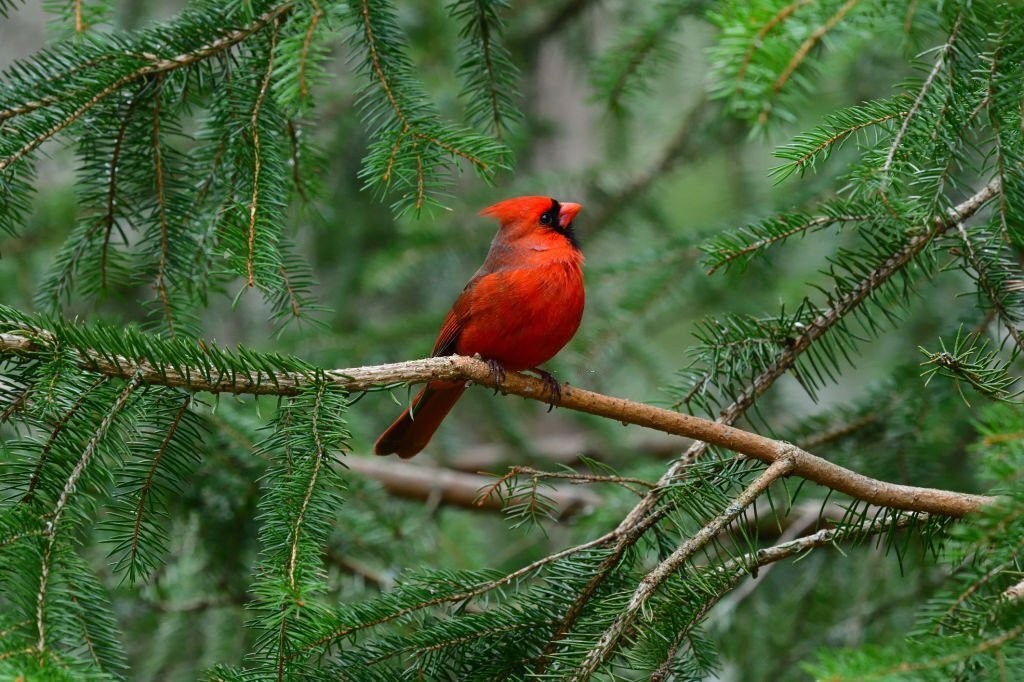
[[554, 388], [497, 373]]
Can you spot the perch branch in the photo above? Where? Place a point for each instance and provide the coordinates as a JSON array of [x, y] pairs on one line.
[[457, 367]]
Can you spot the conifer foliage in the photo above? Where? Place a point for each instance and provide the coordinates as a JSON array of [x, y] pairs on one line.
[[139, 457]]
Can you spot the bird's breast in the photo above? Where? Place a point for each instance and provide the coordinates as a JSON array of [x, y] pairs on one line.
[[523, 317]]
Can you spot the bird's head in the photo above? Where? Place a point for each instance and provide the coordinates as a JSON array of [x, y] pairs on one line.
[[526, 217]]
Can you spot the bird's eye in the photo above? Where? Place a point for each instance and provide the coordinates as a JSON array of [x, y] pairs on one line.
[[547, 218]]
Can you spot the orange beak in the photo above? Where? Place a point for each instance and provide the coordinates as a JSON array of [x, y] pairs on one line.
[[567, 213]]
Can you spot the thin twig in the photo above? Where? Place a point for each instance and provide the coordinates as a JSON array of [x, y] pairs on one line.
[[80, 24], [318, 14], [575, 476], [151, 476], [257, 164], [781, 16], [919, 100], [62, 502], [161, 202], [109, 217], [488, 60], [319, 455], [989, 287], [809, 43], [609, 641], [456, 488]]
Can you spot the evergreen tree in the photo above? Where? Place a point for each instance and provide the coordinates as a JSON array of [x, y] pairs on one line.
[[276, 175]]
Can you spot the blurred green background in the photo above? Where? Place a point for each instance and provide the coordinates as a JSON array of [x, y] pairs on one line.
[[656, 176]]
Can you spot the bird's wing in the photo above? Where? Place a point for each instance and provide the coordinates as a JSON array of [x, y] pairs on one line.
[[448, 337], [455, 321]]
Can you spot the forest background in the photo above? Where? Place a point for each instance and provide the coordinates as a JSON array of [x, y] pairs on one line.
[[801, 217]]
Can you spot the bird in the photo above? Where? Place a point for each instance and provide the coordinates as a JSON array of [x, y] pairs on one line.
[[517, 312]]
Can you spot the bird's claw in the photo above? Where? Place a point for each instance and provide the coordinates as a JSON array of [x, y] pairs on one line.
[[554, 388], [497, 373]]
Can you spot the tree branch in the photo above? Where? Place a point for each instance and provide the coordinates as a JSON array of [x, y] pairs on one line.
[[609, 641], [985, 281], [839, 307], [417, 482], [157, 65], [458, 367], [940, 62], [749, 563]]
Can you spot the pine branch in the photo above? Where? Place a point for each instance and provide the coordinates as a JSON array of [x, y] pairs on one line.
[[731, 248], [110, 215], [307, 41], [609, 641], [156, 66], [61, 424], [465, 595], [464, 368], [785, 360], [809, 148], [763, 53], [62, 503], [257, 167], [621, 68], [749, 563], [804, 49], [487, 71], [756, 41], [915, 107], [418, 482], [903, 669], [988, 281], [133, 555], [161, 208], [412, 148]]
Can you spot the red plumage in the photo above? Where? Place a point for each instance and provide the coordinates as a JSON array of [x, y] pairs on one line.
[[519, 309]]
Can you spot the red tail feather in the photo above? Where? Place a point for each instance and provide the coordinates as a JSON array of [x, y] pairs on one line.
[[412, 431]]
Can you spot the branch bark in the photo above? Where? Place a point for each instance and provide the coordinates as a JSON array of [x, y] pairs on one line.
[[456, 367], [417, 482]]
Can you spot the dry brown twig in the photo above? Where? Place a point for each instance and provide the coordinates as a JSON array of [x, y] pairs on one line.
[[456, 488], [627, 482]]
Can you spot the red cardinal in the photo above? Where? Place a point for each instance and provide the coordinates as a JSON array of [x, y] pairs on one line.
[[522, 305]]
